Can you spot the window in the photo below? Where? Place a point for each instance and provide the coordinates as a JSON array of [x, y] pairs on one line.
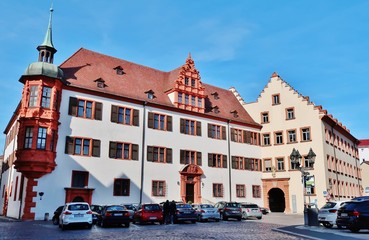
[[280, 164], [79, 179], [292, 166], [46, 97], [267, 165], [217, 190], [278, 138], [190, 127], [159, 154], [307, 164], [82, 146], [305, 134], [28, 137], [52, 142], [238, 162], [160, 121], [180, 97], [190, 157], [193, 83], [237, 135], [186, 80], [33, 96], [41, 138], [187, 99], [291, 136], [266, 139], [290, 113], [276, 99], [199, 102], [240, 190], [193, 101], [265, 117], [158, 188], [124, 115], [217, 160], [256, 191], [127, 151], [216, 131], [85, 109], [121, 187]]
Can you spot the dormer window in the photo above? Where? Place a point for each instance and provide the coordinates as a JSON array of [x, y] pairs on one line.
[[215, 95], [235, 113], [150, 94], [100, 83], [119, 70]]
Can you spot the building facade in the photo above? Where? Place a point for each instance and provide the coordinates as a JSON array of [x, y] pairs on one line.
[[108, 131], [291, 121]]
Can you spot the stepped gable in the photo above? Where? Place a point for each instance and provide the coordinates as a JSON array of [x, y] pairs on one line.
[[85, 67]]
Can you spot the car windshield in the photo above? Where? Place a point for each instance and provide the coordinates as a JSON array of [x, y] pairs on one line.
[[151, 207], [329, 205], [183, 205], [206, 206], [235, 205], [78, 207], [115, 208]]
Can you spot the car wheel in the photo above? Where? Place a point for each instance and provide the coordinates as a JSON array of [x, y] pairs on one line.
[[89, 226], [217, 220], [225, 218], [126, 225], [354, 229], [327, 225], [339, 226], [244, 215], [259, 218], [193, 221], [239, 219]]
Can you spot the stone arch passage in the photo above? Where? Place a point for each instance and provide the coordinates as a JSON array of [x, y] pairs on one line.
[[277, 202]]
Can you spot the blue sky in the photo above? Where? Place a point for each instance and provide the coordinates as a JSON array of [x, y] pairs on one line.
[[318, 47]]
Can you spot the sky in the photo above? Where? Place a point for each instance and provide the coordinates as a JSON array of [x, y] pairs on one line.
[[319, 47]]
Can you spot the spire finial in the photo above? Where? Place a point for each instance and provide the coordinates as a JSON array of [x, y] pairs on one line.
[[48, 41]]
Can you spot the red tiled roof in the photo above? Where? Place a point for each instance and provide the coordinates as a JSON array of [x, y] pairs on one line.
[[85, 66], [363, 143]]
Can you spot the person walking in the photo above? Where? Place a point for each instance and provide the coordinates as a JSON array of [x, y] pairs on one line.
[[166, 213], [172, 211]]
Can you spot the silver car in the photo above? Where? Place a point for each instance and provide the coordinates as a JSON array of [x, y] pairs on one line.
[[251, 210], [131, 209], [206, 211]]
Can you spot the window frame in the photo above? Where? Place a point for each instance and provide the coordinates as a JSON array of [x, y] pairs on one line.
[[28, 137], [303, 134], [41, 138], [125, 185], [46, 97], [288, 135], [266, 136], [277, 164], [256, 191], [278, 138], [289, 115], [218, 190], [264, 117], [74, 175], [155, 191], [241, 190], [276, 99], [269, 160]]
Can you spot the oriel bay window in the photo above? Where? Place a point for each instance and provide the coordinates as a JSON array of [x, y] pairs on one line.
[[28, 137], [85, 108], [160, 121], [190, 127], [190, 157], [33, 96], [82, 146], [217, 160], [41, 138], [217, 131], [124, 115], [121, 187], [159, 154], [46, 97], [127, 151], [158, 188]]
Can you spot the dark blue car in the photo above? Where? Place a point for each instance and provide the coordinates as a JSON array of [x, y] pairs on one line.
[[185, 212]]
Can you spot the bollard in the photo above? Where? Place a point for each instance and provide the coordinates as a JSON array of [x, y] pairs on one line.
[[46, 217]]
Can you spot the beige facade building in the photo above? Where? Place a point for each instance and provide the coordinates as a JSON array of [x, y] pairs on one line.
[[290, 121]]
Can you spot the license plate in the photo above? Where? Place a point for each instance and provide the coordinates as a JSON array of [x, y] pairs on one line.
[[235, 211], [322, 218], [78, 215], [254, 210], [118, 214], [344, 215], [187, 212], [152, 218]]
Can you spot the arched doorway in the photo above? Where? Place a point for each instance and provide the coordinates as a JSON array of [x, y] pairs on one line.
[[191, 183], [277, 202]]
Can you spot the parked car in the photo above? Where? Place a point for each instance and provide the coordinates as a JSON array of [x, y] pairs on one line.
[[131, 209], [229, 210], [75, 213], [251, 210], [57, 213], [185, 212], [264, 210], [361, 198], [354, 215], [206, 212], [328, 214], [114, 215], [96, 212], [148, 213]]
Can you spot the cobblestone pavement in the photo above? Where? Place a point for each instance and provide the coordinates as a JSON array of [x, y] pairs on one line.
[[41, 230]]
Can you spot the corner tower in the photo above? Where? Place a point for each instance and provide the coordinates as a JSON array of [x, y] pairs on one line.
[[39, 119]]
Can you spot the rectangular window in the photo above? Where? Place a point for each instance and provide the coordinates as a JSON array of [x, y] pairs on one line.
[[159, 154], [79, 179], [266, 139], [41, 138], [193, 101], [305, 134], [290, 113], [240, 190], [217, 160], [186, 81], [33, 96], [46, 97], [217, 189], [160, 121], [126, 151], [187, 99], [275, 99], [256, 191], [190, 127], [278, 138], [124, 115], [267, 165], [85, 109], [121, 187], [158, 188], [190, 157], [193, 83], [82, 146], [292, 165], [238, 162], [265, 117], [199, 102], [280, 164], [237, 135], [306, 163], [28, 137], [180, 97], [217, 131], [291, 136]]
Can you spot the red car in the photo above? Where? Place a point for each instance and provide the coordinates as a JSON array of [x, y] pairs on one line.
[[148, 213]]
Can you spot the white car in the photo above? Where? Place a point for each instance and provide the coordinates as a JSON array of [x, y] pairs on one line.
[[251, 210], [328, 214], [76, 214]]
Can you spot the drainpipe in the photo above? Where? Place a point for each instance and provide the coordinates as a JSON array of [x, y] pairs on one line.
[[334, 155], [143, 151], [229, 161], [357, 168]]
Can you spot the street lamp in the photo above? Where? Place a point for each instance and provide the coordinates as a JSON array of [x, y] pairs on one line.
[[296, 163]]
